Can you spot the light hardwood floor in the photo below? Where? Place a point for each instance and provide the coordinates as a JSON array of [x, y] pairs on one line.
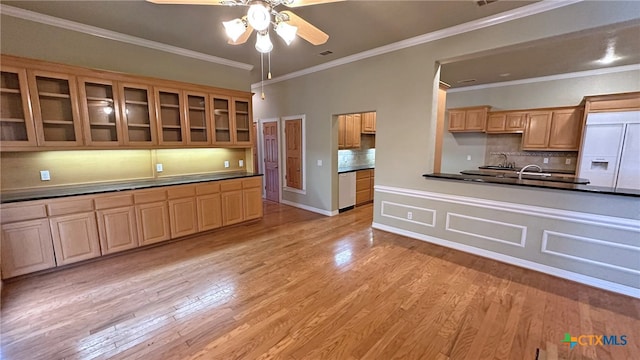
[[298, 285]]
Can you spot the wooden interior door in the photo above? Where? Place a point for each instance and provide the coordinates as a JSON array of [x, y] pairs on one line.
[[271, 173], [293, 132]]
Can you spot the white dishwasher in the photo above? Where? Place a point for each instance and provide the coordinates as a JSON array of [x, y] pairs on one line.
[[346, 190]]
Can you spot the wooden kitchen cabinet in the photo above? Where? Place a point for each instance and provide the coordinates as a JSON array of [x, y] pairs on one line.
[[506, 122], [75, 237], [54, 97], [117, 226], [183, 217], [100, 112], [349, 131], [27, 247], [252, 198], [242, 121], [171, 119], [369, 122], [469, 119], [197, 118], [152, 216], [16, 119], [232, 204], [364, 192], [209, 206], [138, 114], [221, 120], [556, 129]]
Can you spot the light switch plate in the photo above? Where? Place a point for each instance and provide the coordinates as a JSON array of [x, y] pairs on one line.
[[44, 175], [468, 157], [319, 162], [159, 168]]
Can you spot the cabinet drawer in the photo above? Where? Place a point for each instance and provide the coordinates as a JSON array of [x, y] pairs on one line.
[[176, 192], [230, 185], [70, 206], [208, 188], [363, 184], [21, 212], [252, 182], [149, 196], [363, 174], [110, 202]]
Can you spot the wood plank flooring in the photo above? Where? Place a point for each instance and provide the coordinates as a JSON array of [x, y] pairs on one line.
[[297, 285]]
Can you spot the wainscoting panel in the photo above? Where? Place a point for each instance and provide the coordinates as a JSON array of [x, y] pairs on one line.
[[603, 249]]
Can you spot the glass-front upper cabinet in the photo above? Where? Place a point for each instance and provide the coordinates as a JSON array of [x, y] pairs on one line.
[[100, 112], [221, 119], [54, 98], [243, 121], [171, 119], [138, 114], [16, 119], [197, 118]]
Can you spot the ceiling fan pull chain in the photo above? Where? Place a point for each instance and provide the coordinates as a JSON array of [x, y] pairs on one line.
[[269, 73], [262, 75]]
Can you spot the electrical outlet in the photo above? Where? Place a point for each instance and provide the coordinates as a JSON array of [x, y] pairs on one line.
[[319, 162], [44, 175], [226, 163], [409, 215], [159, 168], [545, 160], [469, 157], [567, 161], [241, 163]]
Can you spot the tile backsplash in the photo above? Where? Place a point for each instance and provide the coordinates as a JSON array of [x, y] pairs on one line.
[[509, 144], [357, 157]]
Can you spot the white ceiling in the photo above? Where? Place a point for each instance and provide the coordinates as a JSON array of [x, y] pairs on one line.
[[353, 26]]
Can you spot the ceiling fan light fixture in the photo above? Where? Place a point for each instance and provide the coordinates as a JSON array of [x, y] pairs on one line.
[[263, 42], [259, 17], [234, 28], [286, 32]]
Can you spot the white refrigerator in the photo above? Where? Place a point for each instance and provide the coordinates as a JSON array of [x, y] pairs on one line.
[[610, 153]]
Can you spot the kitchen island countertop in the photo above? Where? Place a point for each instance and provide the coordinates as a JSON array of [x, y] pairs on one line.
[[85, 189]]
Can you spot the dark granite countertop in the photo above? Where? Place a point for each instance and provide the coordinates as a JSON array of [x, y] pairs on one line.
[[513, 174], [347, 169], [552, 171], [74, 190], [491, 180]]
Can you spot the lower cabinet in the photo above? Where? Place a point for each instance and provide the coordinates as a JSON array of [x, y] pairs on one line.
[[153, 222], [75, 237], [183, 217], [252, 198], [26, 247], [117, 229], [364, 187], [232, 212], [209, 208]]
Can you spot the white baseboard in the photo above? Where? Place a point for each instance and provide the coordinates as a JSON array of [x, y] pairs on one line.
[[310, 208], [564, 274]]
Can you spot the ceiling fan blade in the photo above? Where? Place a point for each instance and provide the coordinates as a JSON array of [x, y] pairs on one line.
[[243, 38], [305, 30], [298, 3], [188, 2]]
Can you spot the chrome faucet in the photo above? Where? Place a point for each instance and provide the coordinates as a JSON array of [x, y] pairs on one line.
[[506, 159], [525, 168]]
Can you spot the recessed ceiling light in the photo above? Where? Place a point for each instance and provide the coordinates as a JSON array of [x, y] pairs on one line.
[[326, 52], [466, 81], [504, 74]]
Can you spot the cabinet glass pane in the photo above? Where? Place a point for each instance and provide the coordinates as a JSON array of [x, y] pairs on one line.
[[102, 115], [12, 119], [136, 114], [197, 118], [243, 123], [221, 120], [170, 116], [55, 105]]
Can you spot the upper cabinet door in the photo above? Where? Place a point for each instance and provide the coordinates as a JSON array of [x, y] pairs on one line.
[[138, 114], [100, 112], [222, 132], [197, 115], [16, 118], [56, 115], [243, 121], [536, 133], [170, 110]]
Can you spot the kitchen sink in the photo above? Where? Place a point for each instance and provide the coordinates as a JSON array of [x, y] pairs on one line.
[[497, 167]]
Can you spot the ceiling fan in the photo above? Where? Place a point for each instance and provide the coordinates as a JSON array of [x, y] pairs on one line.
[[260, 15]]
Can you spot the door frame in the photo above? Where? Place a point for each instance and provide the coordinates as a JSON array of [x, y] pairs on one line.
[[261, 157]]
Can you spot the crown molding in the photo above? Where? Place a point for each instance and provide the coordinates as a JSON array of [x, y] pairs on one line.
[[524, 11], [116, 36], [572, 75]]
